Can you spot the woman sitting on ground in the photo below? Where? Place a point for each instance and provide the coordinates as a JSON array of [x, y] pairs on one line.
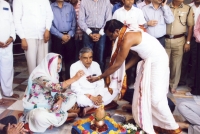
[[45, 103]]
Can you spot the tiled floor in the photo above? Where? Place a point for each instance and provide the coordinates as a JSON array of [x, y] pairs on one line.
[[14, 107]]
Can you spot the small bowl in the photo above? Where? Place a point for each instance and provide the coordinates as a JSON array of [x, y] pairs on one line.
[[99, 123], [120, 119]]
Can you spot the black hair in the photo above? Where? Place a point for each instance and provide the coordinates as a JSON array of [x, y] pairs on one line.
[[112, 25], [59, 56]]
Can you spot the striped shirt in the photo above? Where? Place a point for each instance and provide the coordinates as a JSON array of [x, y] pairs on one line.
[[79, 32], [94, 13]]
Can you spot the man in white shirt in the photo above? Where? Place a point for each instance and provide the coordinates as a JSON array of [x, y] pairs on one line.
[[7, 36], [89, 95], [128, 14], [33, 21]]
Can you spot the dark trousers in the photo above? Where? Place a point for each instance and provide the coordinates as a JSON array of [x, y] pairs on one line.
[[131, 72], [78, 45], [189, 58], [6, 120], [97, 47], [162, 41], [196, 88], [66, 51], [129, 97]]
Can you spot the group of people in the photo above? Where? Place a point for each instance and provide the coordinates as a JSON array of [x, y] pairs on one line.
[[157, 53]]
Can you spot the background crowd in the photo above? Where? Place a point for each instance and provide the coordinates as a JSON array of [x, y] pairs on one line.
[[64, 27]]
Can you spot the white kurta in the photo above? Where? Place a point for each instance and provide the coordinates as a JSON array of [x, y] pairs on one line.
[[83, 86], [6, 54], [32, 18], [133, 17]]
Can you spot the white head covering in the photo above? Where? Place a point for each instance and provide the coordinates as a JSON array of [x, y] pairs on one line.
[[47, 68]]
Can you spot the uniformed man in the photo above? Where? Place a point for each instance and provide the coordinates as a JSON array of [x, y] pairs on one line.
[[190, 58], [177, 42], [7, 36]]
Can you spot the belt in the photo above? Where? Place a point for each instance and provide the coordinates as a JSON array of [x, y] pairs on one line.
[[174, 36], [96, 29], [64, 32], [161, 37]]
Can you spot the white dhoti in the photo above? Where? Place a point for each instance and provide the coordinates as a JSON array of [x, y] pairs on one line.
[[7, 30], [6, 70], [150, 105], [84, 101]]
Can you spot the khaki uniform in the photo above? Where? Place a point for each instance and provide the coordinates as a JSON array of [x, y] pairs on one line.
[[183, 17]]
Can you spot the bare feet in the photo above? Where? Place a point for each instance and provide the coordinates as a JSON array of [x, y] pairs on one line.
[[50, 127], [83, 111], [74, 109], [183, 125], [74, 115], [15, 96], [173, 91]]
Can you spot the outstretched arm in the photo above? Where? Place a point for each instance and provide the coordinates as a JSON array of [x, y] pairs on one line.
[[130, 39]]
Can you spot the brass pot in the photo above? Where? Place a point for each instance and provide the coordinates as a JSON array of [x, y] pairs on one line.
[[99, 123]]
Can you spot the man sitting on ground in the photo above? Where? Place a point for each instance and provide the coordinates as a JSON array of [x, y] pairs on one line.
[[89, 95], [191, 112]]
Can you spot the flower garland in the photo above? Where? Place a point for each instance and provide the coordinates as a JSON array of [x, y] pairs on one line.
[[132, 129], [79, 124]]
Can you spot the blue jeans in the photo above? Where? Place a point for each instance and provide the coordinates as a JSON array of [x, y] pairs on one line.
[[97, 47]]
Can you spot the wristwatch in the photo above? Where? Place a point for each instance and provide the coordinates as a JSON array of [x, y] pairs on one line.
[[188, 42]]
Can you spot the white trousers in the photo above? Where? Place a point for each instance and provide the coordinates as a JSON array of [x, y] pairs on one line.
[[37, 50], [84, 101], [191, 112], [6, 70]]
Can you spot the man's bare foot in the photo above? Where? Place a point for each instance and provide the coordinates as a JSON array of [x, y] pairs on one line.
[[183, 125], [74, 115], [50, 127], [86, 109], [173, 91], [15, 96]]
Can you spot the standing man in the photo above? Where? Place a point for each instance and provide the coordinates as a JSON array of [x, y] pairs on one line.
[[191, 55], [33, 21], [93, 15], [78, 33], [157, 14], [128, 14], [7, 36], [176, 40], [62, 30]]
